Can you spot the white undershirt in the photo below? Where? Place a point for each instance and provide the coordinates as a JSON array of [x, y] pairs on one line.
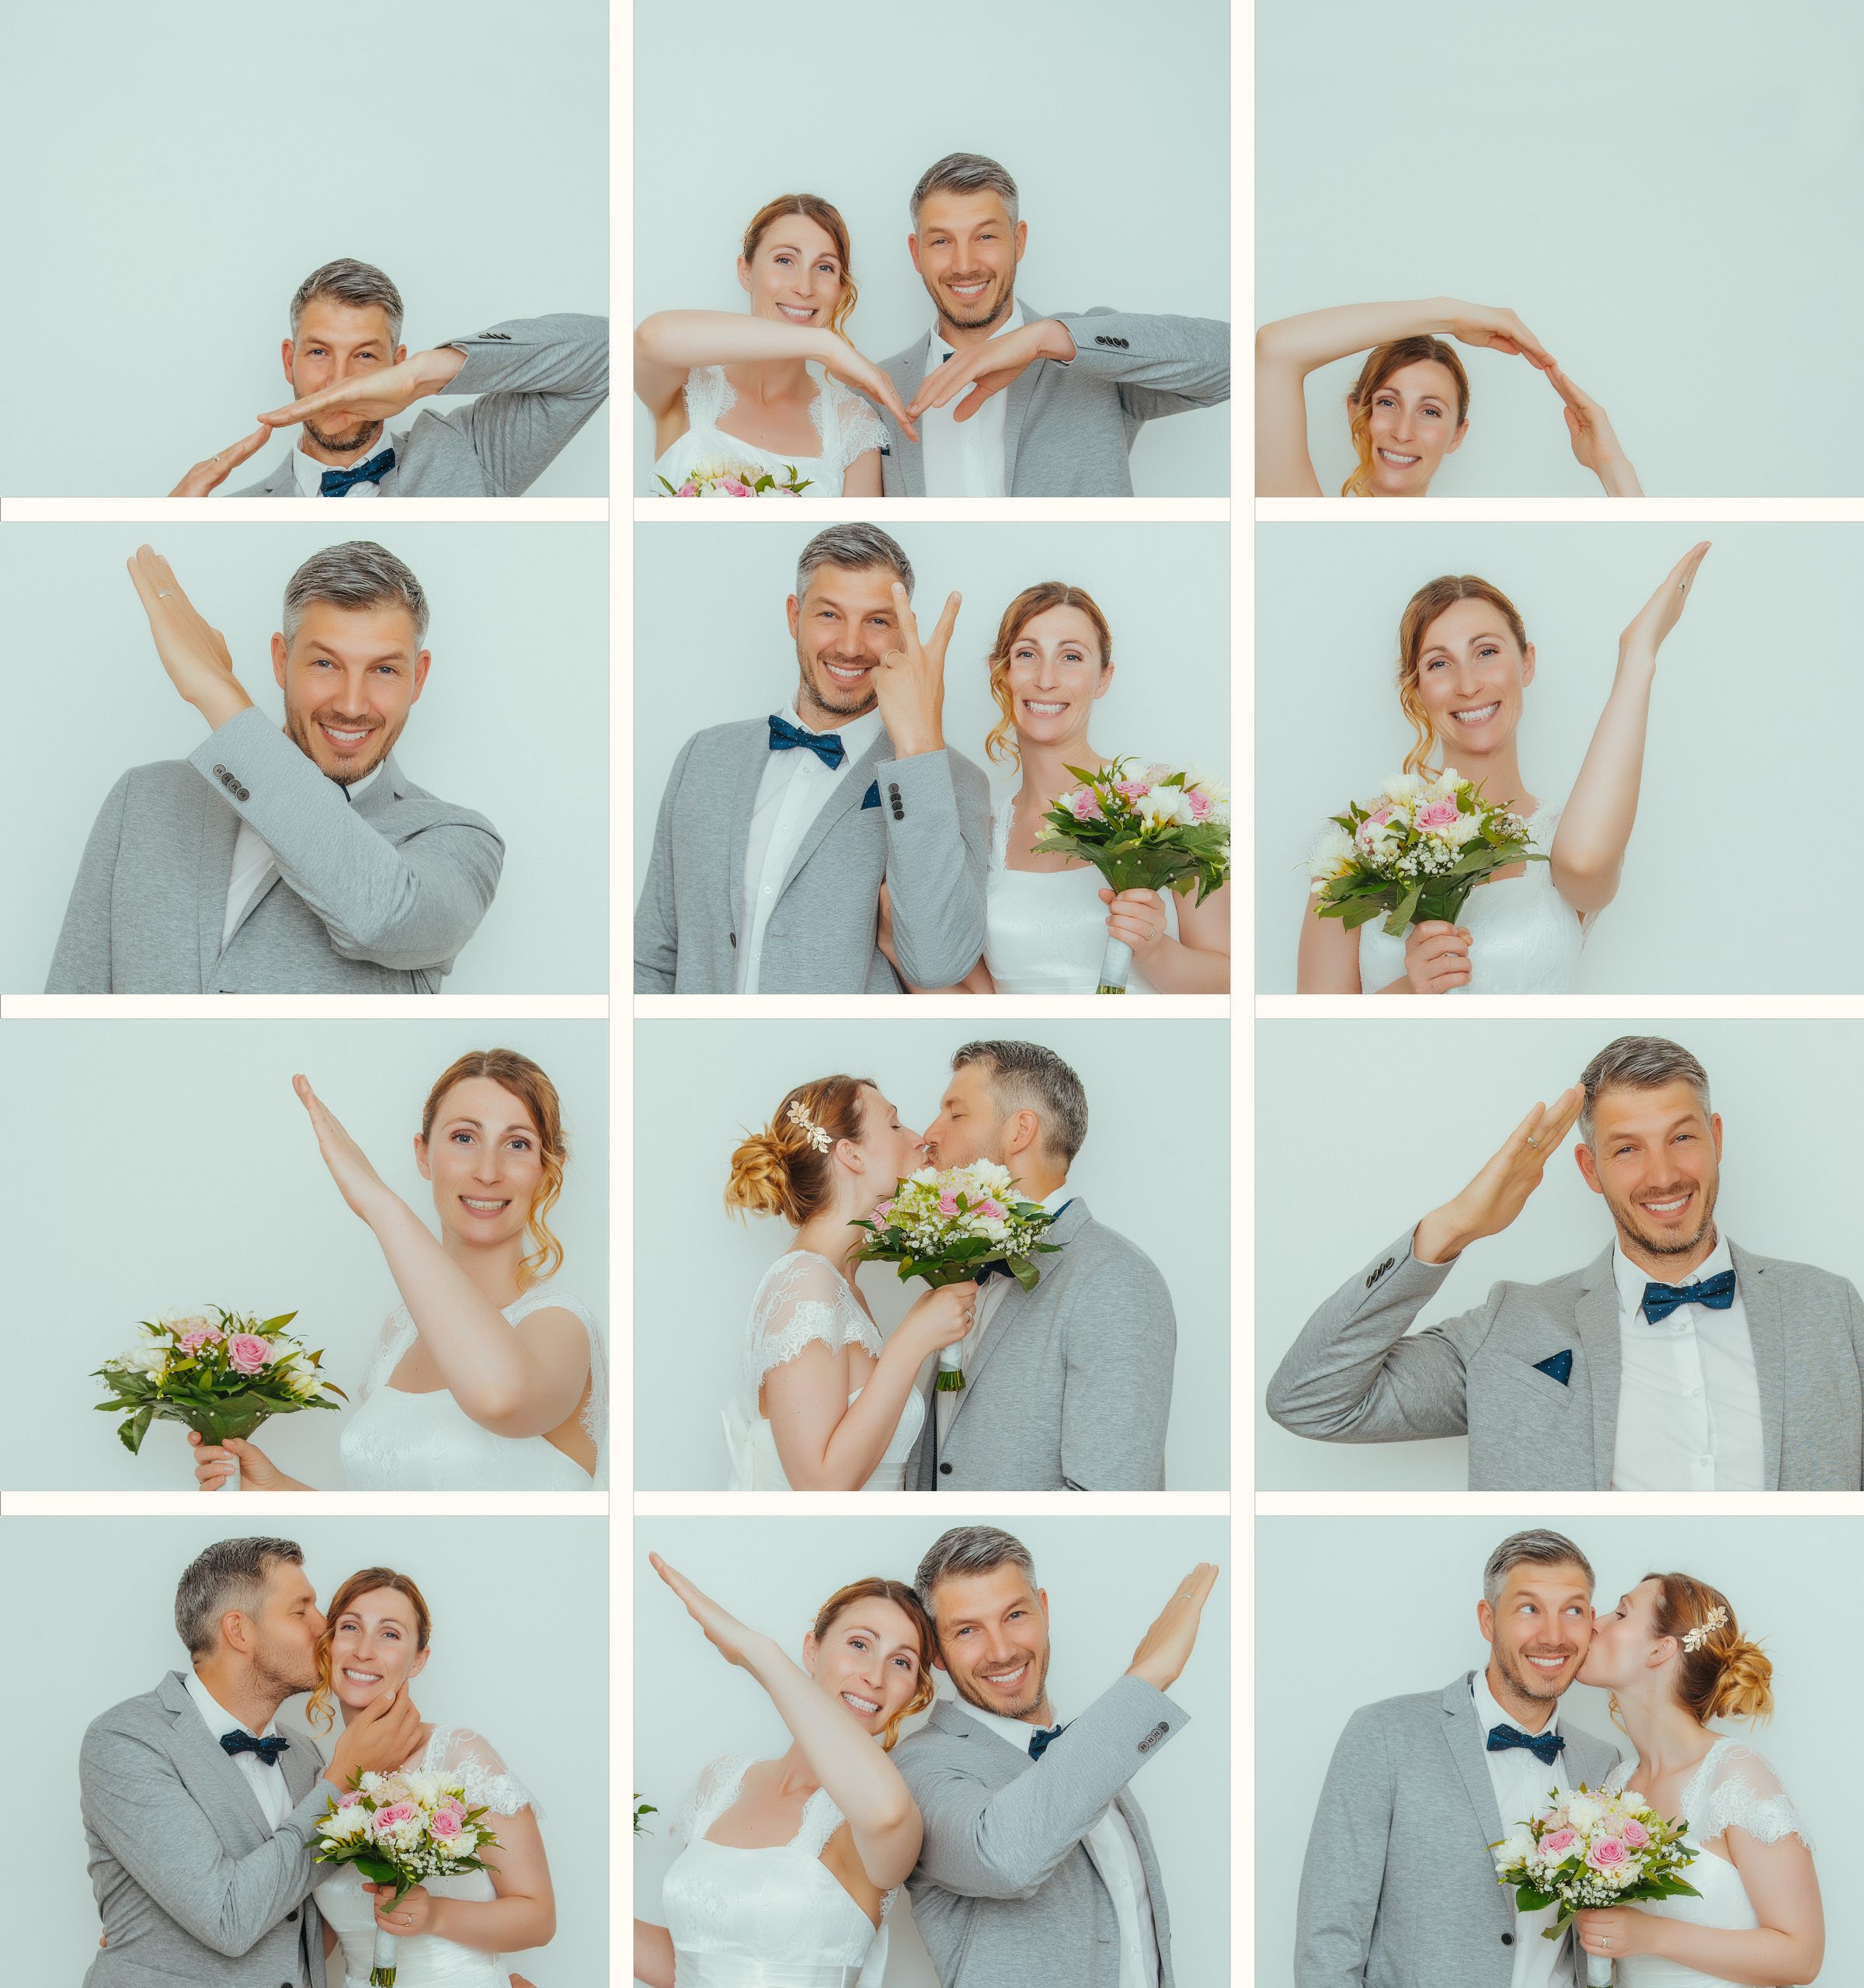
[[1115, 1853], [1521, 1786], [255, 865], [791, 791], [1688, 1399], [267, 1783], [964, 458]]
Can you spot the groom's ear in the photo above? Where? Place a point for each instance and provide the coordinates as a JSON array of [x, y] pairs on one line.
[[793, 608], [1588, 1166], [1485, 1621]]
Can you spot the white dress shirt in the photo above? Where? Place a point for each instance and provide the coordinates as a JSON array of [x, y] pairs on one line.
[[310, 472], [1522, 1785], [1115, 1853], [791, 793], [1689, 1399], [964, 458], [255, 865], [267, 1783]]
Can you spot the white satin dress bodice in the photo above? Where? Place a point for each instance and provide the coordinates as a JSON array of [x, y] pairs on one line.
[[424, 1960], [846, 425], [1525, 937], [1045, 930], [1733, 1786], [397, 1441], [804, 1300], [770, 1918]]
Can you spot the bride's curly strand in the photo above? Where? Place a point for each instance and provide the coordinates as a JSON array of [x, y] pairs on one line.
[[367, 1580], [788, 1170], [1032, 601], [1720, 1673], [905, 1598], [1420, 611], [527, 1083]]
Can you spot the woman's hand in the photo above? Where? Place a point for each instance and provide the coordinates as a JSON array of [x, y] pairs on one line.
[[1500, 330], [1665, 609], [1595, 443], [359, 1184], [1137, 917], [942, 1317], [214, 1465], [722, 1630], [853, 368], [1612, 1931], [1437, 957], [413, 1912]]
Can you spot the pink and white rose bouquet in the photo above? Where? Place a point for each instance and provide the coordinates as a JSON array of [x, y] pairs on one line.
[[720, 477]]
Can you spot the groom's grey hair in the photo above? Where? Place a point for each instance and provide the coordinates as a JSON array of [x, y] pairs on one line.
[[853, 548], [361, 285], [964, 172], [1026, 1077], [1638, 1062], [358, 573], [966, 1550], [231, 1574], [1539, 1549]]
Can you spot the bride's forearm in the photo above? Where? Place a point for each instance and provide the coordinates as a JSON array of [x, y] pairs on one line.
[[1174, 968], [687, 338], [1595, 828], [506, 1925], [1316, 339], [653, 1955], [854, 1446], [1763, 1958]]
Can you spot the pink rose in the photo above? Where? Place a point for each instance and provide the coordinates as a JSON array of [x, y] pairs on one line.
[[689, 488], [1200, 803], [947, 1203], [1132, 790], [1557, 1843], [201, 1336], [349, 1801], [396, 1813], [1439, 815], [1636, 1835], [1609, 1853], [883, 1214], [732, 488], [1084, 805], [989, 1211], [1378, 820], [444, 1823], [249, 1353]]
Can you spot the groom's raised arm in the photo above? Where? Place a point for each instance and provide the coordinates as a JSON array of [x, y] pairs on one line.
[[937, 807], [1162, 365], [1343, 1875]]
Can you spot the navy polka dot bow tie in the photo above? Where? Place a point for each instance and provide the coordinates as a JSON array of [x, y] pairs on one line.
[[340, 482], [1546, 1747], [826, 746], [268, 1750], [1716, 1292], [1040, 1738]]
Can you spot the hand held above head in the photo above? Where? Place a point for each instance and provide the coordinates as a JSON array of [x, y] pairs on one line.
[[376, 396], [1651, 627], [1500, 330], [362, 1189], [732, 1640], [376, 1740], [1500, 1192], [911, 682], [196, 656], [1166, 1647], [212, 471]]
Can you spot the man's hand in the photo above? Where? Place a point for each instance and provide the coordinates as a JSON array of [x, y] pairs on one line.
[[196, 656], [910, 682], [211, 474], [1500, 1192], [988, 368], [377, 396], [378, 1740], [1165, 1648]]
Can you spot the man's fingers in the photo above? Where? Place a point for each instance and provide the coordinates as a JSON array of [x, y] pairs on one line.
[[947, 621], [1195, 1589], [908, 622], [1565, 1109], [979, 393]]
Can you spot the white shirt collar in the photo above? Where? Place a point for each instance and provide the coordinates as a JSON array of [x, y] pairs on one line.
[[363, 785], [856, 734], [1490, 1714], [218, 1719], [938, 351], [1631, 1281], [1017, 1731], [308, 471]]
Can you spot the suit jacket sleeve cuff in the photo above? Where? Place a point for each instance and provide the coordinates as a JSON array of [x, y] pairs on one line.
[[1396, 1276], [303, 1820], [539, 354], [260, 773], [1135, 1716]]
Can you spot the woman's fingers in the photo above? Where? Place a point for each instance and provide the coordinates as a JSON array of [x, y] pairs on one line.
[[1684, 571]]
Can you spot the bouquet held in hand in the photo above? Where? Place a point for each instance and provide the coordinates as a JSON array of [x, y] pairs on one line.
[[1585, 1850], [1416, 854], [718, 477], [402, 1829], [954, 1225], [221, 1376], [1160, 828]]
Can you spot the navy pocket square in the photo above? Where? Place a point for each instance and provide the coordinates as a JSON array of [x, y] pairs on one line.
[[1557, 1366], [872, 798]]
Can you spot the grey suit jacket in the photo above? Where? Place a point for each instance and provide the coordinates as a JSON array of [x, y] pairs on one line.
[[1353, 1376], [1003, 1894], [193, 1884], [538, 380], [375, 897], [1068, 428], [1070, 1386], [1399, 1888], [921, 825]]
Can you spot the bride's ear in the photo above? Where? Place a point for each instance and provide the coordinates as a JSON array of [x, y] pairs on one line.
[[420, 1157], [850, 1156], [808, 1652], [420, 1662]]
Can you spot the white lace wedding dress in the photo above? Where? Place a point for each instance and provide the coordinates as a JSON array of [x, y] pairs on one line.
[[847, 426], [397, 1441], [1733, 1786], [770, 1918], [1525, 937], [803, 1299], [423, 1960]]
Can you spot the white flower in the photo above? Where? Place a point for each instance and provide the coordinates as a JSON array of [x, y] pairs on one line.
[[1403, 788], [1516, 1847], [1331, 856], [148, 1355], [346, 1822], [426, 1789], [1583, 1812]]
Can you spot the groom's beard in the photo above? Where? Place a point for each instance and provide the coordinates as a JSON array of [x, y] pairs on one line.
[[1528, 1683], [1034, 1691], [1664, 1242], [280, 1679], [820, 695], [343, 445]]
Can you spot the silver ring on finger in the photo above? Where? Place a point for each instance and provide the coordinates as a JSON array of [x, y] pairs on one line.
[[164, 593], [1534, 1140]]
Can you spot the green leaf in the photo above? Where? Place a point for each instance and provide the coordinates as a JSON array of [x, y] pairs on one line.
[[131, 1433]]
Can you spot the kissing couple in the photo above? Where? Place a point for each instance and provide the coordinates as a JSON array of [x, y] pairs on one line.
[[1013, 1829], [202, 1817]]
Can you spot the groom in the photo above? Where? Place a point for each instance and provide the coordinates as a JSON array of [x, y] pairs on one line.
[[775, 835], [1675, 1360], [1009, 402], [1399, 1885], [1037, 1865], [1067, 1387], [300, 862], [200, 1815]]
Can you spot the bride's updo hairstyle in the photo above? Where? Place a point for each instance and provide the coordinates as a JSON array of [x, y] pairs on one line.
[[320, 1712], [527, 1083], [1381, 363], [811, 207], [1725, 1676], [1420, 615], [1021, 611], [788, 1168], [875, 1587]]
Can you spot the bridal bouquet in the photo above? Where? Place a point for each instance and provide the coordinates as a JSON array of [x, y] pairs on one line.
[[221, 1376], [1586, 1850], [720, 477], [1160, 828], [1416, 854], [953, 1224], [402, 1829]]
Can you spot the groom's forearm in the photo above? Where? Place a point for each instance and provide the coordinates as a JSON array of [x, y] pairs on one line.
[[934, 871]]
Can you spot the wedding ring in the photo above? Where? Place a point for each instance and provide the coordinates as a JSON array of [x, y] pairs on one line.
[[162, 593], [1534, 1139]]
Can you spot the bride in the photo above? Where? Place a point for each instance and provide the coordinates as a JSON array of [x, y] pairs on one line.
[[791, 1865], [451, 1930], [784, 375], [822, 1404], [1673, 1657], [1465, 663], [490, 1377]]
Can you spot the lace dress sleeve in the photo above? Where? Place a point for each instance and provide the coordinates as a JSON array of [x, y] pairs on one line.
[[821, 1819], [858, 427], [708, 395], [397, 1335], [544, 1297], [801, 1302], [1736, 1788], [467, 1757], [718, 1789]]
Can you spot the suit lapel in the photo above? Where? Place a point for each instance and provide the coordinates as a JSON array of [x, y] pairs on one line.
[[906, 383], [846, 793], [208, 1771], [754, 754], [1464, 1737], [1015, 1301], [1597, 1321], [219, 827], [1767, 1333], [387, 786]]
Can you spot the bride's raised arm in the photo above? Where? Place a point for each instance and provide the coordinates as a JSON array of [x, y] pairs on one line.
[[671, 344]]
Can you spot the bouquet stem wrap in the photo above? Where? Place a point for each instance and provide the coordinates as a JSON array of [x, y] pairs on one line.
[[1116, 965], [950, 1374], [1598, 1971], [230, 1481], [388, 1951]]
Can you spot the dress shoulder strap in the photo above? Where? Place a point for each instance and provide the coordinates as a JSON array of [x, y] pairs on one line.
[[708, 395]]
